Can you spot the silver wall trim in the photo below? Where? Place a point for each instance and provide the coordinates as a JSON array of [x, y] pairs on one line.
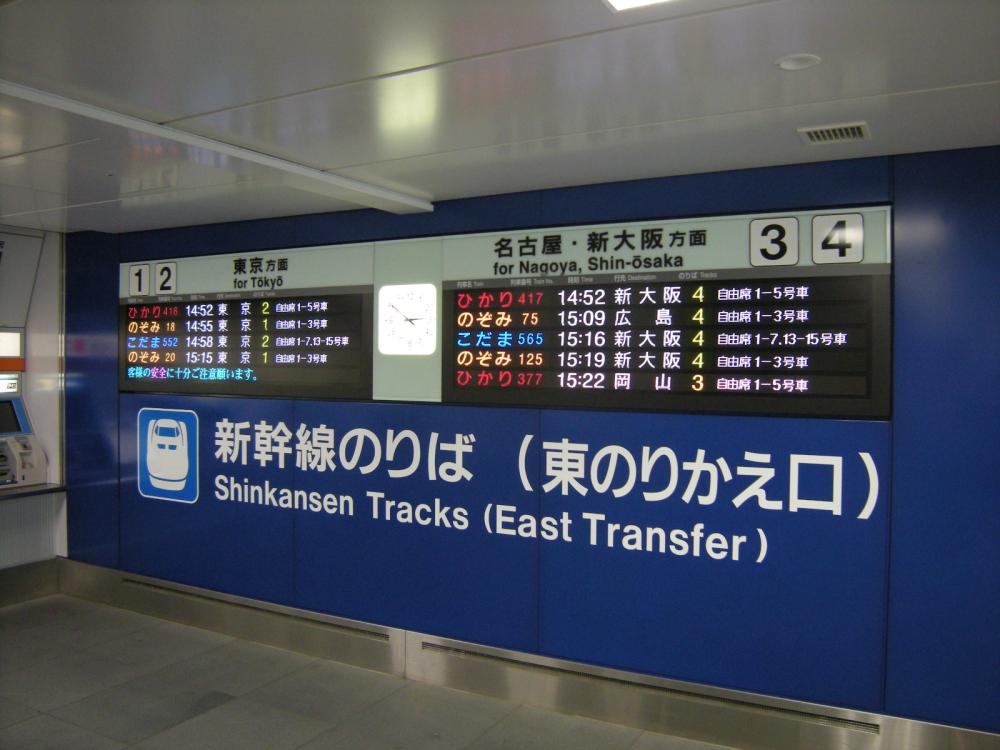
[[632, 680], [30, 581], [350, 641], [726, 717]]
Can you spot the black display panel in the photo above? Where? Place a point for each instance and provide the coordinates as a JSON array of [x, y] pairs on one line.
[[308, 346], [811, 345], [8, 418]]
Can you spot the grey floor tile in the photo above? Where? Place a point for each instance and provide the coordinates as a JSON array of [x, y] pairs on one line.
[[653, 741], [103, 625], [41, 611], [59, 608], [529, 728], [159, 645], [20, 651], [11, 712], [131, 715], [57, 681], [21, 622], [106, 676], [73, 629], [235, 668], [47, 733], [416, 717], [242, 724], [328, 691]]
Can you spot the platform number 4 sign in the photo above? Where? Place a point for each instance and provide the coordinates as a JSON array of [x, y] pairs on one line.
[[774, 241], [838, 238]]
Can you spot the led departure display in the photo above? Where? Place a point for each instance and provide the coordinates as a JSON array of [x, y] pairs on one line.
[[811, 344], [309, 345]]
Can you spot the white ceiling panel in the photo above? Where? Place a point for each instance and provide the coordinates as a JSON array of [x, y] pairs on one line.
[[250, 200], [119, 163], [140, 176], [166, 60], [27, 127], [692, 67], [451, 98], [736, 141], [24, 201]]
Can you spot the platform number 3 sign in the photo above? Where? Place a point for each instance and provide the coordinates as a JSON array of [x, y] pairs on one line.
[[774, 241], [836, 238]]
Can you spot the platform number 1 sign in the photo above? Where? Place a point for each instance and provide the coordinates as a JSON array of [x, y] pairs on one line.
[[138, 280]]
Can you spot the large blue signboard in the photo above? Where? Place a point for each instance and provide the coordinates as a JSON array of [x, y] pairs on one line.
[[710, 517], [736, 551]]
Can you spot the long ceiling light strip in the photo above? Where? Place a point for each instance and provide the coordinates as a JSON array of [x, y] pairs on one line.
[[345, 188], [630, 4]]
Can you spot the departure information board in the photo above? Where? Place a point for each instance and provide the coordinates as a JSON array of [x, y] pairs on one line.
[[244, 330], [808, 337], [774, 314], [309, 346]]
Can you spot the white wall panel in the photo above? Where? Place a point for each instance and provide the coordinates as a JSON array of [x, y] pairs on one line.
[[32, 529], [42, 384]]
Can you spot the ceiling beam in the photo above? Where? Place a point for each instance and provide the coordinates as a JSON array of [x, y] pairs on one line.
[[301, 176]]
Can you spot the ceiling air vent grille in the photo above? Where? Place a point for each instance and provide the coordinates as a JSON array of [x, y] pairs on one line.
[[844, 132]]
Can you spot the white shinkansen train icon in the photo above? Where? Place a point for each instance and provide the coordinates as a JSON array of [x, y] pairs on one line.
[[167, 454]]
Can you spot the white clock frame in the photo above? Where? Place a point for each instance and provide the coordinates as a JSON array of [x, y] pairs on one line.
[[407, 319]]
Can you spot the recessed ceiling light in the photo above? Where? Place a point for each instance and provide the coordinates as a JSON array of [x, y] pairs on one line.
[[630, 4], [798, 61]]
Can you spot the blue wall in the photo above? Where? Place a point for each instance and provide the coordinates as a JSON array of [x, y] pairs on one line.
[[92, 397], [944, 614], [898, 614]]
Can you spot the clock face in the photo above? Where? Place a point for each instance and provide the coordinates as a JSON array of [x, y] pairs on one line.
[[407, 319]]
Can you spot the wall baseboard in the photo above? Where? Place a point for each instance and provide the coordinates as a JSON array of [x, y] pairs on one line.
[[29, 581], [726, 717], [351, 642]]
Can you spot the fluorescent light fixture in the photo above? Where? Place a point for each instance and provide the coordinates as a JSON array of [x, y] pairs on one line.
[[798, 61], [630, 4], [297, 175]]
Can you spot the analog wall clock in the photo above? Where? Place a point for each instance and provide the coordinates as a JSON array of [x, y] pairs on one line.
[[407, 318]]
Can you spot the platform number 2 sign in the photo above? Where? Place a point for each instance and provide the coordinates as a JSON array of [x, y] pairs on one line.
[[836, 238], [162, 280]]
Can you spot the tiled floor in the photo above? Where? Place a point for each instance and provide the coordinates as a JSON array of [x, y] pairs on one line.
[[82, 676]]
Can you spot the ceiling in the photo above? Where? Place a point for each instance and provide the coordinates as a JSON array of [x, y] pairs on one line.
[[119, 115]]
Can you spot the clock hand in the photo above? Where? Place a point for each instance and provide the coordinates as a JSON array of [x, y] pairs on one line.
[[408, 320]]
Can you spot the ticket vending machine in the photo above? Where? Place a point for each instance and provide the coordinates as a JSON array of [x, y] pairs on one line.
[[22, 460]]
